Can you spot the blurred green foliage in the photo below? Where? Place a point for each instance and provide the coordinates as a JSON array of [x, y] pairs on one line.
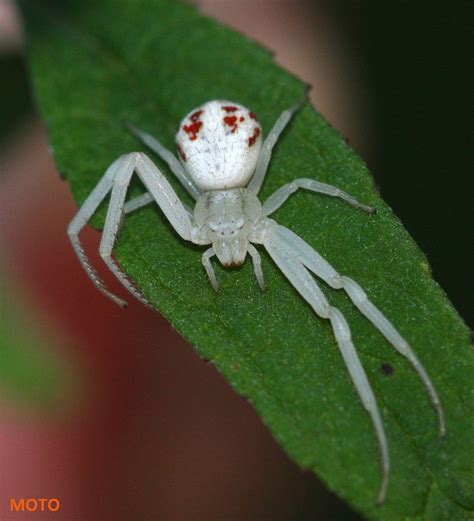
[[33, 375]]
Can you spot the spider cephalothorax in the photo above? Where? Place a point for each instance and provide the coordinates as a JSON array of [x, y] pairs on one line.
[[222, 165], [226, 219]]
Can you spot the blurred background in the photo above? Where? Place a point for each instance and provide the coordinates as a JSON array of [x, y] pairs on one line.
[[110, 410]]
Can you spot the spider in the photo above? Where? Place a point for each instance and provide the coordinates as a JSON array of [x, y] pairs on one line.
[[222, 164]]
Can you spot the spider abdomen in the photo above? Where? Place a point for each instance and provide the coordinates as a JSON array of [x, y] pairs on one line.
[[218, 144]]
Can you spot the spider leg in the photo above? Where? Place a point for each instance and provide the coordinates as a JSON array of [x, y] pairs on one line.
[[117, 179], [266, 152], [289, 263], [319, 266], [365, 306], [143, 200], [138, 202], [113, 222], [257, 266], [82, 217], [162, 192], [169, 158], [206, 262], [281, 195]]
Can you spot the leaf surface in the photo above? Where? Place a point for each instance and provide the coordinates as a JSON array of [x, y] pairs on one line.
[[98, 64]]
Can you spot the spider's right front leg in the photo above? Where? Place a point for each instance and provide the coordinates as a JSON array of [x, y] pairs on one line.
[[116, 179]]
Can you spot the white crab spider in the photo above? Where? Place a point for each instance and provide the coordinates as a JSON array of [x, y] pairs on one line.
[[222, 165]]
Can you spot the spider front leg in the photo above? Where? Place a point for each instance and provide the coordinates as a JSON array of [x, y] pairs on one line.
[[117, 178], [143, 200], [290, 264], [320, 267]]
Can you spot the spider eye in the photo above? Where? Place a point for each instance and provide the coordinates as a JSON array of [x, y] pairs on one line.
[[233, 225]]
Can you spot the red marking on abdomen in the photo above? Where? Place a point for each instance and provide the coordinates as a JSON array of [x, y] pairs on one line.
[[231, 121], [193, 129], [241, 118], [194, 117], [254, 136], [181, 153], [230, 108], [253, 116]]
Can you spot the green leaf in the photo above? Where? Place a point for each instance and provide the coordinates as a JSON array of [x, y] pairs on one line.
[[98, 64]]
